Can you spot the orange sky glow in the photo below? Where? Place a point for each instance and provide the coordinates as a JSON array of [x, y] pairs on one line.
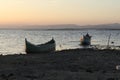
[[47, 12]]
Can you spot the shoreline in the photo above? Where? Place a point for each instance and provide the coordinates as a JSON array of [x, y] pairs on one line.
[[61, 65]]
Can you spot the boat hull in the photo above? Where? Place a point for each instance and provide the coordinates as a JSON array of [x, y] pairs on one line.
[[43, 48], [85, 43]]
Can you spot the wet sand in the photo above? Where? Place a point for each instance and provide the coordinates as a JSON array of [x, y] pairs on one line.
[[74, 64]]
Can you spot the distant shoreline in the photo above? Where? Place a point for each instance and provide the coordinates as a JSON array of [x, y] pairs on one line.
[[111, 26], [59, 29]]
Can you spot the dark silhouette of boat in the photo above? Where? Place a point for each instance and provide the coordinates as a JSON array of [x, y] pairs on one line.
[[47, 47], [85, 40]]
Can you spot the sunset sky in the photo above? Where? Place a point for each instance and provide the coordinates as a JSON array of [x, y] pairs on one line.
[[49, 12]]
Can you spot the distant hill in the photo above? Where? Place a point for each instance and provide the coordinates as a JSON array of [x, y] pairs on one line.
[[74, 26], [105, 26], [62, 26]]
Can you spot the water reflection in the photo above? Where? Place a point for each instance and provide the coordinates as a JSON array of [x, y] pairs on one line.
[[12, 41]]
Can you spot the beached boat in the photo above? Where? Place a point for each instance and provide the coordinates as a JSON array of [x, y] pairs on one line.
[[42, 48], [85, 40]]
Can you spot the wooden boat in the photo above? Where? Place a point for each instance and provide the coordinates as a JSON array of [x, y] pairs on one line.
[[85, 40], [42, 48]]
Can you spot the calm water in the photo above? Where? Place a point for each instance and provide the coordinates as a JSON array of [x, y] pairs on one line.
[[12, 41]]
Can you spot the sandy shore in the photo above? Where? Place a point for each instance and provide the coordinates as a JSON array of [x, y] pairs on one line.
[[73, 64]]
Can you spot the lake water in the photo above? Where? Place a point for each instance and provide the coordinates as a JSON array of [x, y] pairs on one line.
[[13, 41]]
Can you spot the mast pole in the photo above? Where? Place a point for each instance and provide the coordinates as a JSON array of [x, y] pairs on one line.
[[108, 41]]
